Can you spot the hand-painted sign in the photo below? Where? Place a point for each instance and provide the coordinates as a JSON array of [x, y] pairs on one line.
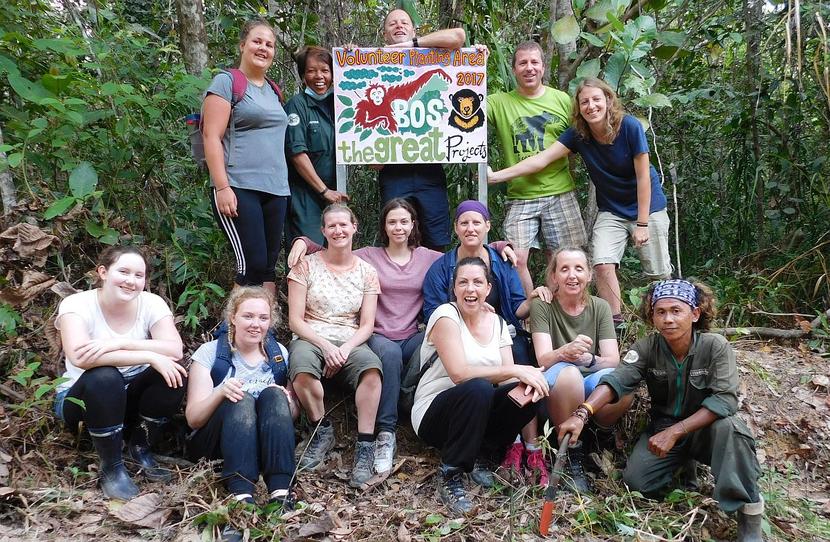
[[399, 106]]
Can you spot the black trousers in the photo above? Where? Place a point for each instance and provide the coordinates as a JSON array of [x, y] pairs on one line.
[[111, 401], [473, 420], [252, 436]]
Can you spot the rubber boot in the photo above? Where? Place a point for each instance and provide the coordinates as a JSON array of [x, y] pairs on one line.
[[144, 436], [575, 472], [749, 521], [115, 481]]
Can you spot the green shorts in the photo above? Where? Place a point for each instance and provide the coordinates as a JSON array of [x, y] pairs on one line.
[[304, 357]]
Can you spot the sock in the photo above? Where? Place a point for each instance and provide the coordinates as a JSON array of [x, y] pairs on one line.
[[365, 437], [518, 440], [532, 447], [243, 497]]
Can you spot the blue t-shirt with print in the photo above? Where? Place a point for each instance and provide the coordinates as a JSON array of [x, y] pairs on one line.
[[611, 168]]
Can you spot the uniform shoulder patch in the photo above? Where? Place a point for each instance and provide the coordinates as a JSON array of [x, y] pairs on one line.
[[631, 357], [293, 119]]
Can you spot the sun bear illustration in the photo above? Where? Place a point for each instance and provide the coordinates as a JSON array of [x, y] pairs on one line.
[[466, 106], [375, 111]]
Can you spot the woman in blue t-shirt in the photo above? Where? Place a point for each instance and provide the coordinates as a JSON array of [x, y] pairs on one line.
[[244, 138], [630, 197]]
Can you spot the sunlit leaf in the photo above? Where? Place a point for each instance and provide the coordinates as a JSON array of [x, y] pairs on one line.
[[83, 180], [565, 30]]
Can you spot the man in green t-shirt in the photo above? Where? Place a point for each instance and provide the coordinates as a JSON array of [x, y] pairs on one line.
[[527, 120]]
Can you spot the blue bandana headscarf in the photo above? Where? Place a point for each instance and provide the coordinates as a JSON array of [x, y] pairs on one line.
[[675, 289]]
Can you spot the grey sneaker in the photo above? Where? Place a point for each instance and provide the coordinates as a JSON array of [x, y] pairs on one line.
[[452, 492], [318, 447], [385, 446], [364, 460]]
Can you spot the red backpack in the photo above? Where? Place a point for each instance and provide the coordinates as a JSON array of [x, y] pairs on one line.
[[194, 120]]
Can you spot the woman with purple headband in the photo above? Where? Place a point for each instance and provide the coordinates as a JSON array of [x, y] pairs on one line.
[[692, 380]]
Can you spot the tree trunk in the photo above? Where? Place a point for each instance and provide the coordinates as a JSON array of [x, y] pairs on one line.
[[562, 8], [752, 25], [7, 190], [193, 40], [450, 12]]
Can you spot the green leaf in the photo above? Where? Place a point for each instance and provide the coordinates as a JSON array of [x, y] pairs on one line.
[[589, 68], [675, 39], [64, 46], [59, 207], [654, 100], [83, 180], [6, 148], [29, 91], [614, 69], [565, 30], [110, 237], [75, 400], [43, 389], [599, 11], [93, 228], [15, 159], [594, 40], [345, 100], [410, 7], [433, 519], [109, 88], [615, 22], [216, 289], [7, 65], [74, 117], [345, 127]]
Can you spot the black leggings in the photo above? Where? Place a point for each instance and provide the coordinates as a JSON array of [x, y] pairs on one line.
[[255, 234], [108, 405], [473, 420]]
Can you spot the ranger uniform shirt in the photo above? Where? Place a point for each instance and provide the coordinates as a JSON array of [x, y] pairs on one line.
[[707, 377]]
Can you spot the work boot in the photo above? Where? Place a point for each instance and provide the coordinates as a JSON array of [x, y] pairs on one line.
[[575, 478], [322, 441], [689, 476], [537, 466], [482, 474], [749, 521], [113, 477], [452, 491], [384, 451], [364, 463], [144, 436]]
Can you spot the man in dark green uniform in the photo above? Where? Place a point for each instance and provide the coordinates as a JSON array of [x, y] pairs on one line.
[[309, 145], [692, 381]]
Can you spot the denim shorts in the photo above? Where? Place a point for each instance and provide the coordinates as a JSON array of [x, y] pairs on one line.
[[589, 380], [57, 406]]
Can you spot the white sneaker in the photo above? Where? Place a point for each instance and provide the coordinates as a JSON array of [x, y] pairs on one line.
[[385, 446]]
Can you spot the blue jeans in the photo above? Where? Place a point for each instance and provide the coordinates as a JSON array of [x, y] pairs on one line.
[[252, 436], [393, 355], [589, 380]]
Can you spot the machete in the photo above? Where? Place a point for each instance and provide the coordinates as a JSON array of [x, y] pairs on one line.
[[553, 485]]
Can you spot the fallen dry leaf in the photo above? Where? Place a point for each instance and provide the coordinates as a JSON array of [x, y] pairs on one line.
[[34, 282], [143, 510], [30, 242], [821, 381], [63, 289], [321, 525], [403, 534]]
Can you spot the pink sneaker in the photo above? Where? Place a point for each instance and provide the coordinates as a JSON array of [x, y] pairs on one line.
[[513, 458], [537, 466]]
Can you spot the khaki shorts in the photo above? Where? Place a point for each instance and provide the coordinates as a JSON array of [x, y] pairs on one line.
[[304, 357], [556, 220], [611, 235]]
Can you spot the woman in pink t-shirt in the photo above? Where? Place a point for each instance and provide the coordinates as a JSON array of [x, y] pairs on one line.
[[401, 264]]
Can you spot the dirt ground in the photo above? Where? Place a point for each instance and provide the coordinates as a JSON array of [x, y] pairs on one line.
[[48, 484]]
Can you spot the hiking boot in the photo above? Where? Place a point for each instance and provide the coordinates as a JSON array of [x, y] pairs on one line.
[[322, 441], [144, 436], [537, 467], [750, 517], [482, 474], [113, 477], [385, 446], [230, 534], [364, 462], [575, 478], [452, 492], [513, 458]]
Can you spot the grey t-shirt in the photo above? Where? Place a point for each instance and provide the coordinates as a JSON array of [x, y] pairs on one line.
[[255, 148], [255, 378]]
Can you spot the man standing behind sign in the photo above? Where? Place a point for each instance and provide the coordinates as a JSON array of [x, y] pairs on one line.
[[424, 185], [527, 120]]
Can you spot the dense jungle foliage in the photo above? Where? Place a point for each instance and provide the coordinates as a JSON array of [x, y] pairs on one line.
[[737, 94]]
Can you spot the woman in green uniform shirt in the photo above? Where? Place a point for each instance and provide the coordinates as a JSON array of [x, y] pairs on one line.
[[692, 381], [309, 144]]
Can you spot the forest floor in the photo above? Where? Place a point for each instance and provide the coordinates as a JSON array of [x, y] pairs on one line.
[[48, 482]]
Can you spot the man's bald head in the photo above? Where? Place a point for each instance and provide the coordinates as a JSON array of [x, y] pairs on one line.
[[398, 27]]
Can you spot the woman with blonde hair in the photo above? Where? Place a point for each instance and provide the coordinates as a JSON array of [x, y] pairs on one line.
[[240, 403], [629, 193]]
